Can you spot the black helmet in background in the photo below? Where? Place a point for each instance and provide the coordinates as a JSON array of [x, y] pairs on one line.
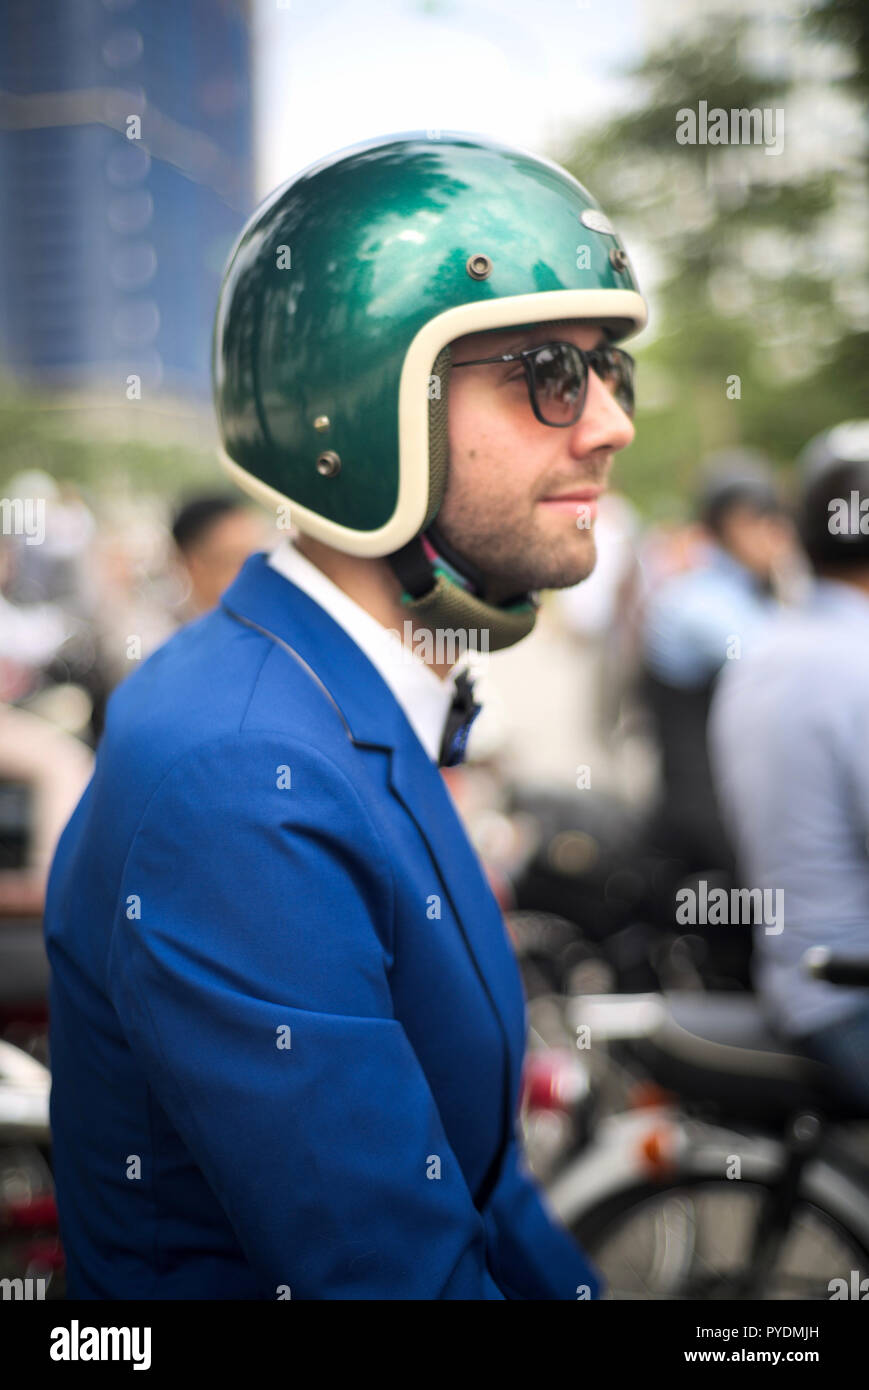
[[833, 512], [736, 478]]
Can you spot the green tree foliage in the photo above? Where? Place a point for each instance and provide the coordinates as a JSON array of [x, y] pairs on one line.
[[71, 437], [760, 267]]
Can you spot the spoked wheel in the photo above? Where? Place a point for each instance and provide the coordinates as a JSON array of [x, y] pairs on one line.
[[693, 1240]]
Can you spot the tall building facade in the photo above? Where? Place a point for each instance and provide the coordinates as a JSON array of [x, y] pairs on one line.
[[126, 172]]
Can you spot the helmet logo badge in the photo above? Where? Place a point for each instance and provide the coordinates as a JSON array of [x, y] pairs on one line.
[[597, 221], [479, 266], [321, 422]]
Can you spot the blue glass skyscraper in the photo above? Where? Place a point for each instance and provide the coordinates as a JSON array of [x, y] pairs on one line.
[[126, 174]]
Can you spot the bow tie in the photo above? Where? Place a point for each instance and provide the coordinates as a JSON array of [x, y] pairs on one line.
[[460, 716]]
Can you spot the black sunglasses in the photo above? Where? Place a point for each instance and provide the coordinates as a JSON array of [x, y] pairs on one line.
[[557, 377]]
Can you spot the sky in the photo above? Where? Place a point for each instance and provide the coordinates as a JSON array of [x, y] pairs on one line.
[[327, 75]]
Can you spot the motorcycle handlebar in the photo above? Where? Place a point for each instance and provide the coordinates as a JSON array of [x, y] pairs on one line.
[[820, 962]]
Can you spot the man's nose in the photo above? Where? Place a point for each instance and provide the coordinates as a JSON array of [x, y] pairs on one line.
[[603, 424]]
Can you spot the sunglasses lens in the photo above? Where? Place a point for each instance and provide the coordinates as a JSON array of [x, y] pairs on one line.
[[616, 370], [560, 380]]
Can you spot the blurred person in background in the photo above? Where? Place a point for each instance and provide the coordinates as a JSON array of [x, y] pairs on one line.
[[135, 593], [152, 577], [670, 546], [51, 608], [213, 534], [52, 571], [694, 623], [38, 749], [790, 756], [31, 634], [598, 611]]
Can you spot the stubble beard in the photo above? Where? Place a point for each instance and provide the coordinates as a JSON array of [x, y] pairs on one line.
[[517, 560]]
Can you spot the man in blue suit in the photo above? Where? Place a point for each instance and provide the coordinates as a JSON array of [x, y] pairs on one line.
[[287, 1025]]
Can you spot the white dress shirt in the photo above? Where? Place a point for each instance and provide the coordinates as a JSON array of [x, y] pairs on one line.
[[422, 694]]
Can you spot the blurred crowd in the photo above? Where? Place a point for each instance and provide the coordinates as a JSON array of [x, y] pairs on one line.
[[726, 651], [104, 587]]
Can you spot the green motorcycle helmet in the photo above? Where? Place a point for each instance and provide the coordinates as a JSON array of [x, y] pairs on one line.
[[330, 352]]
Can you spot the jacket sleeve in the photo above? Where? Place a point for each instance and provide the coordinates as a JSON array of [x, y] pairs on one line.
[[248, 968], [535, 1257]]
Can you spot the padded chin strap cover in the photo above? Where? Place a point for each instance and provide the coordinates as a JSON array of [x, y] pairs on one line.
[[446, 605], [438, 602]]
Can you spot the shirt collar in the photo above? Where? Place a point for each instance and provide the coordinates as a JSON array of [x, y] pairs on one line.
[[423, 696]]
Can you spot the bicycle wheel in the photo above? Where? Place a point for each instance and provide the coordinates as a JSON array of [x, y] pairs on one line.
[[692, 1239], [29, 1243]]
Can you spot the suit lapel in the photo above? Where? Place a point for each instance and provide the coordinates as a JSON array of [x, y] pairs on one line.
[[422, 791], [374, 719]]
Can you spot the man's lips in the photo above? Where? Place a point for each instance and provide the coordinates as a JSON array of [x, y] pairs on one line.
[[581, 502]]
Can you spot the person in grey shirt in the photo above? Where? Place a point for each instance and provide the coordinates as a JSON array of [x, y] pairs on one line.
[[693, 623], [789, 750]]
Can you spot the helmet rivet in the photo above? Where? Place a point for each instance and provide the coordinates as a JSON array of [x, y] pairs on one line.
[[479, 267], [321, 422], [618, 259], [329, 464]]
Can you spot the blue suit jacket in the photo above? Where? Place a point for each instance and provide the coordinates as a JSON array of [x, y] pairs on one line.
[[286, 1021]]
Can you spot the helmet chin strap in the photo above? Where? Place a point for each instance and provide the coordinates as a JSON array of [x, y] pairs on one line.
[[444, 590]]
